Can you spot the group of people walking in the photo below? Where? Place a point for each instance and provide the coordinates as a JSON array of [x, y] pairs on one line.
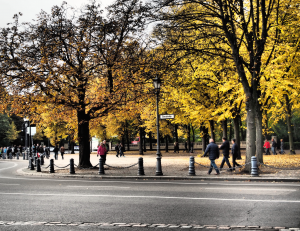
[[10, 150], [212, 150], [273, 147]]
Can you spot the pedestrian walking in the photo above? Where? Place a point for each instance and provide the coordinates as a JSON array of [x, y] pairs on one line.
[[267, 147], [282, 147], [192, 147], [117, 148], [274, 145], [122, 150], [185, 147], [176, 147], [214, 154], [225, 147], [234, 153], [102, 152], [62, 152], [56, 149]]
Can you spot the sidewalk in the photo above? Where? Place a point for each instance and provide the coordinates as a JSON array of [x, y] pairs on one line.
[[174, 167]]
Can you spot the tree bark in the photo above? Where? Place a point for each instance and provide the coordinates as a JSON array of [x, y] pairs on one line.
[[259, 136], [141, 142], [84, 139], [212, 129], [204, 137], [236, 125], [289, 124], [176, 133], [189, 137], [127, 138], [150, 137], [167, 144], [251, 132], [224, 127]]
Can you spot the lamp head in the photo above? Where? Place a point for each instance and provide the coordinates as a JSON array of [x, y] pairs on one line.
[[156, 83]]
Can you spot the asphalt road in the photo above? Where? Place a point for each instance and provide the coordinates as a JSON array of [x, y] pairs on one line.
[[25, 199]]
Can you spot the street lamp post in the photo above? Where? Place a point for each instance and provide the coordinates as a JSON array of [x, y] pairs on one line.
[[156, 83], [25, 121], [30, 141]]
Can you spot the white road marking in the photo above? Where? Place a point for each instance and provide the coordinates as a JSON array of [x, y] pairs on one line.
[[92, 186], [8, 167], [8, 184], [151, 197], [258, 189], [156, 182]]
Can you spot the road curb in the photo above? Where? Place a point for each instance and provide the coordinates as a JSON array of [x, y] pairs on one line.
[[24, 171]]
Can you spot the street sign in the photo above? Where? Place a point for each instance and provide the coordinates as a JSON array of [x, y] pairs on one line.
[[162, 117]]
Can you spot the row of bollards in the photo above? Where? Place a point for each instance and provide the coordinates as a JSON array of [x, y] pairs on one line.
[[40, 161]]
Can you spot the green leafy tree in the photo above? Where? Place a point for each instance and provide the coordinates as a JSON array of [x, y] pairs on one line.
[[12, 133]]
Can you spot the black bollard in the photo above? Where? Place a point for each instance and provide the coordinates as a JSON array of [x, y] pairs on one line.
[[18, 154], [192, 166], [23, 153], [27, 155], [254, 169], [10, 155], [38, 165], [42, 160], [52, 166], [31, 164], [72, 169], [3, 155], [141, 167], [101, 167]]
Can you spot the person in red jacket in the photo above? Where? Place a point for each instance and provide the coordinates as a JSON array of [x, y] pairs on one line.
[[102, 152], [267, 146]]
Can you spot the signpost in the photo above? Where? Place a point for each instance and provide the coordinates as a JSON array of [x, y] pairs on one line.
[[163, 117]]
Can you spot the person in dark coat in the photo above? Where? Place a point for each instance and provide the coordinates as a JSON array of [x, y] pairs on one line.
[[225, 147], [281, 147], [186, 147], [274, 145], [117, 148], [56, 149], [234, 153], [214, 153]]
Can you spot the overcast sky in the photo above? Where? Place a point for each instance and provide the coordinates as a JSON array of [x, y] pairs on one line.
[[30, 8]]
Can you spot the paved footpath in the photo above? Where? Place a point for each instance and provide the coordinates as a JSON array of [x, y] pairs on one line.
[[173, 167]]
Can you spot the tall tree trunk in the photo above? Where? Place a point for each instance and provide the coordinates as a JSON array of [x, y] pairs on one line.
[[150, 137], [236, 125], [251, 132], [259, 136], [84, 139], [167, 144], [230, 130], [224, 127], [193, 133], [144, 139], [289, 124], [176, 133], [189, 137], [141, 141], [242, 130], [204, 137], [212, 129], [127, 137]]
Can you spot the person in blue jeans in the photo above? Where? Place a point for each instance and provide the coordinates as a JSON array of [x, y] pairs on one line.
[[214, 153], [225, 147]]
